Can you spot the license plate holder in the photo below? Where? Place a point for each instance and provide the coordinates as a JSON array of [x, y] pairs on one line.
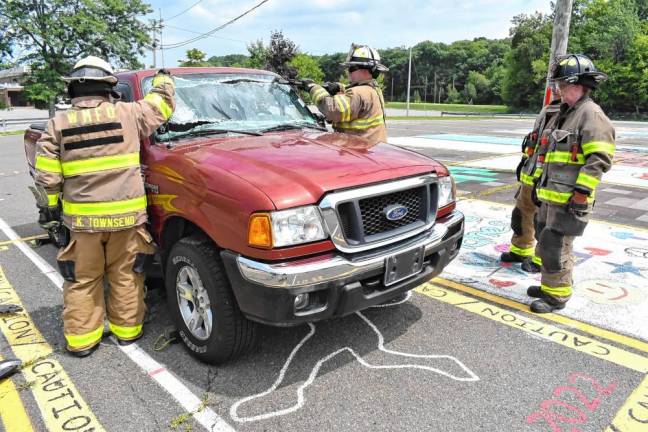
[[403, 265]]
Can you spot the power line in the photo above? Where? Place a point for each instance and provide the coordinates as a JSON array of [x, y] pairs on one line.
[[211, 32], [199, 33], [185, 11]]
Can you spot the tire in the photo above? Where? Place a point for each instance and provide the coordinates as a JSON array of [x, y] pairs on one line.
[[194, 266]]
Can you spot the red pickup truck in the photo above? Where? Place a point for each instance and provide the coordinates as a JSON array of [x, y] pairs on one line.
[[263, 216]]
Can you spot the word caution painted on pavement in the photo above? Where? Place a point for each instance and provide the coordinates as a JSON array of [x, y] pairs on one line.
[[60, 403], [543, 330], [633, 416], [12, 411]]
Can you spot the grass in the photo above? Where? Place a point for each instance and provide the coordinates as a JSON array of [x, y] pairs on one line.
[[502, 109], [9, 133]]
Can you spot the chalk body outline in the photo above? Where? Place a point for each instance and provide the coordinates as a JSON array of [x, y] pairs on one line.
[[301, 399]]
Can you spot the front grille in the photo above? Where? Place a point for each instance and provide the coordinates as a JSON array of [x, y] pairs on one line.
[[363, 220], [372, 210]]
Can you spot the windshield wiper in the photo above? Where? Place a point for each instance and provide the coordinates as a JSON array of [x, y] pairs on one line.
[[183, 127], [291, 126], [240, 80], [203, 132]]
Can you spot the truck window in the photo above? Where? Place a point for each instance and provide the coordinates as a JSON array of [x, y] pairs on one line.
[[249, 102], [125, 90]]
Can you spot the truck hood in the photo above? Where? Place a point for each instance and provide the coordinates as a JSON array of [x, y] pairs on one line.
[[297, 168]]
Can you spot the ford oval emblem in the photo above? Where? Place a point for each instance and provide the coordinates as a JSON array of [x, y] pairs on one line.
[[395, 212]]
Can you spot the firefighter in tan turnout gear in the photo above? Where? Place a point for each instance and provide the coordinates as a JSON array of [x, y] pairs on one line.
[[358, 108], [580, 149], [88, 161], [534, 145]]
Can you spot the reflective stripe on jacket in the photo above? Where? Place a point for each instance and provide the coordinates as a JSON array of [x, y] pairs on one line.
[[358, 111], [91, 155], [532, 168], [581, 148]]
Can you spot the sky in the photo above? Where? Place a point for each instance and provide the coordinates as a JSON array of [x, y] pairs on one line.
[[328, 26]]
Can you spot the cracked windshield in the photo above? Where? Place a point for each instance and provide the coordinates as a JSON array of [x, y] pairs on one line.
[[236, 103]]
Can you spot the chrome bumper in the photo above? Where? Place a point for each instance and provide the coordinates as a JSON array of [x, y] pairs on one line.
[[299, 274]]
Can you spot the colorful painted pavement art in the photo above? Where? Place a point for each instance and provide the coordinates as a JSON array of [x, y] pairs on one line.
[[610, 275], [630, 163]]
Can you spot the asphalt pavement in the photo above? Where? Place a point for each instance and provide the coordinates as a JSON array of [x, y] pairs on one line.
[[462, 353]]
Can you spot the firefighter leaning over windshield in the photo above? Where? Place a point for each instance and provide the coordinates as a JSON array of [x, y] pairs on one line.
[[358, 108], [528, 172], [580, 150], [88, 161]]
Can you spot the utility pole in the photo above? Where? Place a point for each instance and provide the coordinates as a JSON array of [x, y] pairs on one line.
[[409, 80], [425, 90], [559, 38], [161, 44], [434, 98], [154, 42]]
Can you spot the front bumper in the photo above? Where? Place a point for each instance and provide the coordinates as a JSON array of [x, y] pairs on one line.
[[338, 284]]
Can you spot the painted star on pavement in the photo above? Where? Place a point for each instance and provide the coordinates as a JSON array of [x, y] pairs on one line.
[[626, 267]]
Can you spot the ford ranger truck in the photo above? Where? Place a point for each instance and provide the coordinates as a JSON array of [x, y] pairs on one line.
[[262, 215]]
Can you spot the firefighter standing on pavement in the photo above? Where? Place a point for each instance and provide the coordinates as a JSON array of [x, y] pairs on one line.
[[580, 150], [529, 170], [359, 108], [88, 161]]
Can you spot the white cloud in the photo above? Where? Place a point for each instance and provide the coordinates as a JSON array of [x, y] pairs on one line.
[[328, 26]]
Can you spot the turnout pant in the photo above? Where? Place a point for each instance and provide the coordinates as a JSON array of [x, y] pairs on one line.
[[522, 223], [121, 257], [556, 230]]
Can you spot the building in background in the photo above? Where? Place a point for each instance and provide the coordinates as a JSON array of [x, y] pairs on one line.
[[11, 89]]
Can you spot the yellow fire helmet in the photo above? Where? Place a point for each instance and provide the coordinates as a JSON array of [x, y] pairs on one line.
[[91, 68], [365, 57]]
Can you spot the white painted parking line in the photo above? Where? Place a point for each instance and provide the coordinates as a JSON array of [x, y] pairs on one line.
[[190, 402]]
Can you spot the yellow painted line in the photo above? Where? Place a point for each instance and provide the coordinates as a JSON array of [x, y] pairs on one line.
[[62, 406], [633, 415], [539, 329], [13, 416], [593, 330], [24, 239]]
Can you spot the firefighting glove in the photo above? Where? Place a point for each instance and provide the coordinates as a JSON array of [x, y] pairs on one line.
[[305, 84], [164, 71], [49, 217], [578, 204], [333, 87]]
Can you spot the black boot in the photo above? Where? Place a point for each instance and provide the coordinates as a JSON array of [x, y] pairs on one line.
[[529, 266], [84, 353], [511, 257], [546, 305], [534, 291], [123, 342]]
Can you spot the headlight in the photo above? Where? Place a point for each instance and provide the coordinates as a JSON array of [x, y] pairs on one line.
[[446, 191], [286, 227], [296, 226]]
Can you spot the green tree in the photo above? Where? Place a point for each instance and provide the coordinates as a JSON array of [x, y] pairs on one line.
[[52, 34], [530, 41], [280, 52], [230, 60], [195, 57], [259, 55], [307, 67]]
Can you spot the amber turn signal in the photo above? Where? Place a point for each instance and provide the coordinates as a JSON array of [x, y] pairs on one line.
[[259, 231]]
